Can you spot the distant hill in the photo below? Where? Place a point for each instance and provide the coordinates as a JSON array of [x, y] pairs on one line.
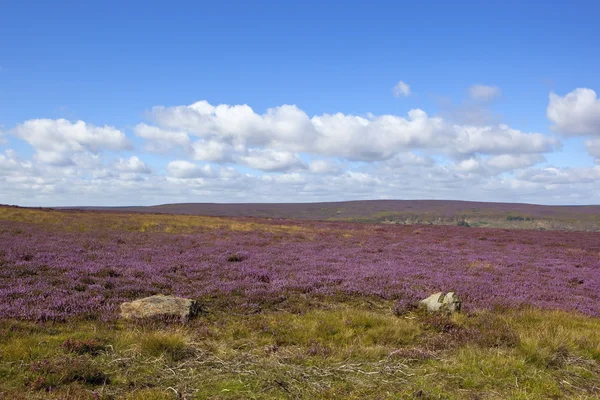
[[445, 212]]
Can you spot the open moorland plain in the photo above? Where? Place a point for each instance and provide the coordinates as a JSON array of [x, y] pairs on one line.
[[295, 308], [430, 212]]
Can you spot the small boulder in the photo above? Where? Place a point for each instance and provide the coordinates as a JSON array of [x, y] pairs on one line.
[[440, 302], [160, 306]]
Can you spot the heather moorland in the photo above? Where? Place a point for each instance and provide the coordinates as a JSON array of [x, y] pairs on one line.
[[431, 212], [294, 309]]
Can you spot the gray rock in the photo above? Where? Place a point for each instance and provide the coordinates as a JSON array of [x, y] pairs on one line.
[[440, 302], [160, 306]]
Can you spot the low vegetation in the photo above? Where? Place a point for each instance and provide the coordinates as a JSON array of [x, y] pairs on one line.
[[293, 310], [434, 212], [350, 351]]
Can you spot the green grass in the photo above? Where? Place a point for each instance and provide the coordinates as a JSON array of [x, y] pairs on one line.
[[344, 350]]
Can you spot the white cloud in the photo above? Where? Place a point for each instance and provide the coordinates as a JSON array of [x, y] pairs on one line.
[[10, 162], [401, 89], [409, 159], [360, 139], [27, 184], [212, 150], [101, 174], [561, 176], [227, 132], [55, 159], [290, 179], [87, 161], [324, 167], [350, 157], [575, 114], [187, 170], [271, 160], [469, 165], [363, 178], [161, 140], [593, 148], [500, 139], [238, 125], [509, 162], [495, 165], [484, 93], [132, 165], [56, 140]]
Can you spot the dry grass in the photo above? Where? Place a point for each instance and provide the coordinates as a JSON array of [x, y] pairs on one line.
[[132, 222], [348, 351]]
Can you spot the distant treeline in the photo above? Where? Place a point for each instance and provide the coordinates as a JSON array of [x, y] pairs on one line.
[[518, 218]]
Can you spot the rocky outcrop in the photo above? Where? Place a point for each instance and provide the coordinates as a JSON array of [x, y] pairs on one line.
[[160, 306]]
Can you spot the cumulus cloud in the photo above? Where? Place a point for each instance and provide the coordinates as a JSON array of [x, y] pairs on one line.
[[238, 125], [377, 138], [271, 160], [229, 153], [575, 114], [468, 165], [132, 165], [55, 158], [187, 170], [401, 89], [488, 167], [324, 167], [56, 140], [291, 179], [10, 162], [26, 184], [409, 159], [501, 139], [227, 132], [561, 176], [484, 93], [593, 148], [212, 150], [509, 162], [162, 140]]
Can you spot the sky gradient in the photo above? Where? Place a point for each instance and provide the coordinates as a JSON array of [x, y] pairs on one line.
[[137, 103]]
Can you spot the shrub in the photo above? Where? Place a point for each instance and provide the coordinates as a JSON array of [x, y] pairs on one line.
[[88, 346], [440, 323], [107, 272], [235, 257], [485, 330], [404, 306], [48, 374]]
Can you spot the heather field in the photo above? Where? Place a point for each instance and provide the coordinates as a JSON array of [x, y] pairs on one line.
[[294, 309]]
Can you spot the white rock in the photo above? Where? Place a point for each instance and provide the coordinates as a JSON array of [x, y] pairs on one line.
[[440, 302]]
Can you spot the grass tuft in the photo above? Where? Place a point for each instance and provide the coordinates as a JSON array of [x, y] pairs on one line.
[[173, 345], [87, 346]]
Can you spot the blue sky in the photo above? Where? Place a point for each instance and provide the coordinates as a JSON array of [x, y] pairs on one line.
[[109, 64]]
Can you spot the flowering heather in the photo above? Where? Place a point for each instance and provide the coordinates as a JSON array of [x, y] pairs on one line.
[[86, 269]]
